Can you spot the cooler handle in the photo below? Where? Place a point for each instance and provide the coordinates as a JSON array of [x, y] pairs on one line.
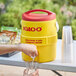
[[39, 10], [57, 26]]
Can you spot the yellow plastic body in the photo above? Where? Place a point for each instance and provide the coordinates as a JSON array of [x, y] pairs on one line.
[[44, 35]]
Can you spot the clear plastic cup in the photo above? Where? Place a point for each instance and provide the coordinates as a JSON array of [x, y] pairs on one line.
[[67, 44], [31, 67]]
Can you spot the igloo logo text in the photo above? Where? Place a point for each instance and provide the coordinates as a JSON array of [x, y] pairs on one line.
[[33, 29]]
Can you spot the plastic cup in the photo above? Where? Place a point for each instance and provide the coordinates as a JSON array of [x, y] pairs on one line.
[[31, 67], [67, 44]]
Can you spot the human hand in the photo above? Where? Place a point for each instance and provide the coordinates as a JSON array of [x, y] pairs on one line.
[[36, 73], [28, 49]]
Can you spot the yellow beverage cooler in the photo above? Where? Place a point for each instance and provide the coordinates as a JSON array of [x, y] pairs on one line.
[[40, 29]]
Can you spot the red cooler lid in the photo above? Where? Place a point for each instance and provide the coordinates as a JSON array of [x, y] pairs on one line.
[[29, 16]]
